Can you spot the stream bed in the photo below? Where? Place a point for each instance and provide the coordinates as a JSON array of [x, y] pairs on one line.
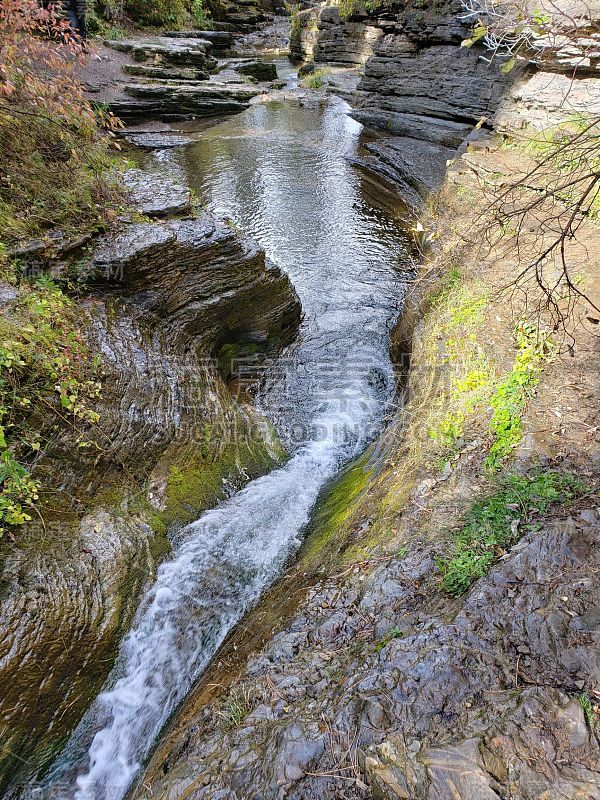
[[281, 172]]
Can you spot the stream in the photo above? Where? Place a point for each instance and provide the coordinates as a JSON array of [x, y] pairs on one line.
[[281, 172]]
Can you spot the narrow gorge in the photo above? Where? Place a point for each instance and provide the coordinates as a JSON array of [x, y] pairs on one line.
[[329, 526]]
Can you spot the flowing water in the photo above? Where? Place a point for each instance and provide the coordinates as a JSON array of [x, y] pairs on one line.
[[281, 172]]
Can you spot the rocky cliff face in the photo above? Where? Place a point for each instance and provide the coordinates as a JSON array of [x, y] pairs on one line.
[[426, 93], [320, 33], [176, 306]]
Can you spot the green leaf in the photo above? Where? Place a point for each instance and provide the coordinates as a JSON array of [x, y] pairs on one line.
[[508, 66]]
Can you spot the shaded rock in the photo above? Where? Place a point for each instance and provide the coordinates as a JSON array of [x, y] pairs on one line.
[[259, 70], [156, 196], [168, 298], [66, 596], [415, 168]]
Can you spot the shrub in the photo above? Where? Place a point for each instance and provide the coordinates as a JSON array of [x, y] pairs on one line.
[[156, 12], [316, 80], [45, 368], [200, 15]]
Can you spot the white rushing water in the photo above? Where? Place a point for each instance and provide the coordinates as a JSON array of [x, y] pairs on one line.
[[282, 173]]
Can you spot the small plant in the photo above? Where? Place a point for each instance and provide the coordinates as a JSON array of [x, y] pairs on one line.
[[348, 8], [494, 524], [589, 712], [200, 15], [45, 367], [394, 633], [316, 80], [236, 707]]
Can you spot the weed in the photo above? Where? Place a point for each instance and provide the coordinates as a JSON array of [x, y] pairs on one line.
[[394, 633], [316, 80], [588, 709], [44, 365], [494, 524], [237, 705], [200, 15]]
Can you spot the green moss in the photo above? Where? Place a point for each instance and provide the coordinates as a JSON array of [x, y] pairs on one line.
[[329, 527], [513, 391]]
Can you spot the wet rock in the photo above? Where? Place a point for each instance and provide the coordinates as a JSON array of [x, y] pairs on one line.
[[67, 593], [419, 85], [415, 168], [156, 196], [148, 140], [456, 706], [168, 298]]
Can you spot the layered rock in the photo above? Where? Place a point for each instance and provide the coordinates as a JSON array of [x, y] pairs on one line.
[[167, 51], [320, 33], [344, 42], [171, 101], [176, 306], [174, 80], [426, 92], [304, 33]]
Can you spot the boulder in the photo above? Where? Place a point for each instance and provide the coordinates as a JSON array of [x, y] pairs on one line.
[[163, 51], [259, 70]]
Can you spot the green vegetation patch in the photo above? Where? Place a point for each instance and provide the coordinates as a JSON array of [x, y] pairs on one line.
[[45, 368], [316, 80], [590, 710], [513, 391], [455, 344], [172, 13], [494, 524]]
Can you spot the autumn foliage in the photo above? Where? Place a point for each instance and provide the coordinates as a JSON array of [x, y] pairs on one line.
[[52, 160]]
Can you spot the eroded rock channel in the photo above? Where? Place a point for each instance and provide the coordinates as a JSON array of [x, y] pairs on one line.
[[282, 173]]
